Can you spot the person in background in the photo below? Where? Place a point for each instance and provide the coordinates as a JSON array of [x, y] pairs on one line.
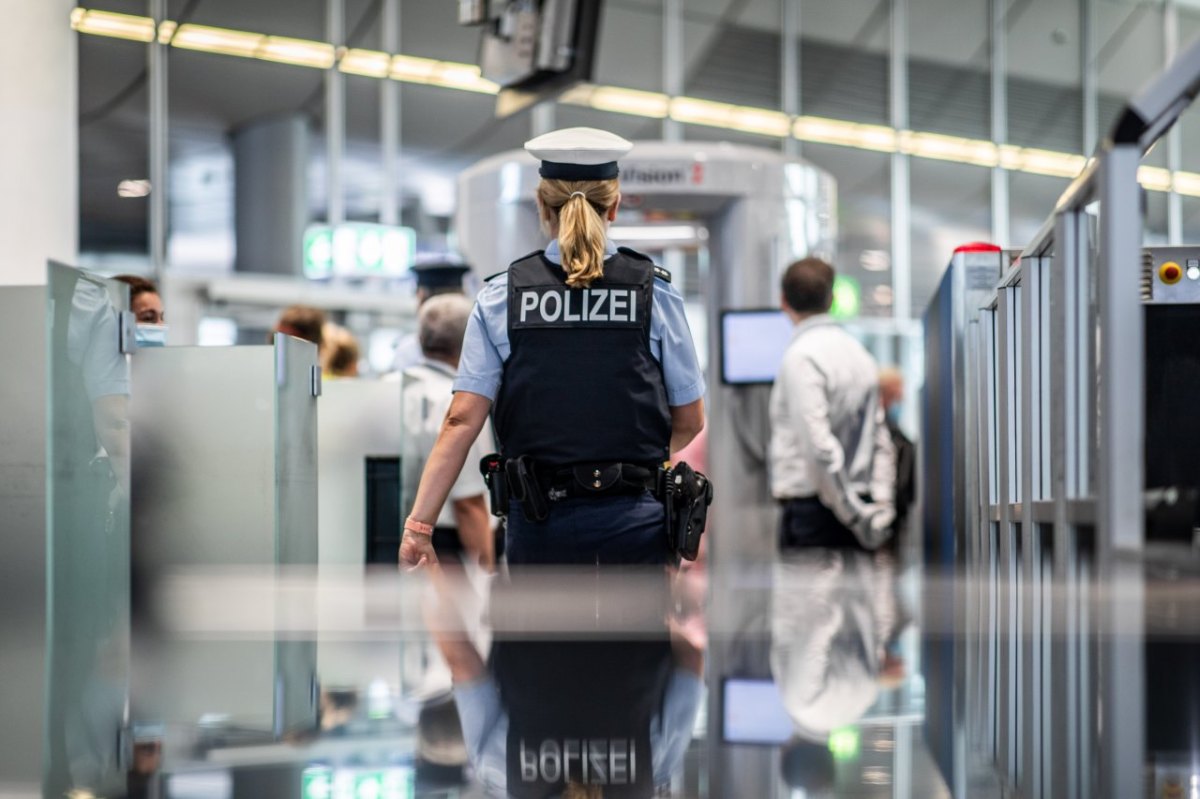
[[341, 353], [891, 394], [147, 307], [303, 322], [144, 299], [436, 276], [831, 458], [464, 524]]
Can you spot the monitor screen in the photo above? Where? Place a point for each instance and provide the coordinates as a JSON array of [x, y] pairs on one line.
[[752, 345], [561, 55], [753, 713]]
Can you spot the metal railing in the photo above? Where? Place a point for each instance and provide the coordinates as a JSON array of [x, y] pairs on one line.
[[1052, 532]]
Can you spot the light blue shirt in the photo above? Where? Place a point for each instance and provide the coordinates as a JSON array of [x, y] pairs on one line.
[[485, 729], [486, 346]]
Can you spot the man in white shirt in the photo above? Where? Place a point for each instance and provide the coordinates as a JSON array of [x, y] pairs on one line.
[[464, 525], [831, 457]]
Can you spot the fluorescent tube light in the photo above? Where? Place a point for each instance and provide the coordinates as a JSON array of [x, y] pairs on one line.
[[298, 52], [117, 26], [368, 63]]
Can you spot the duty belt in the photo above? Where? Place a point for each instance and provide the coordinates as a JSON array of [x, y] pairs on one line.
[[536, 485], [684, 492]]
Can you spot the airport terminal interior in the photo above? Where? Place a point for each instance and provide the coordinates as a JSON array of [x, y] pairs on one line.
[[720, 521]]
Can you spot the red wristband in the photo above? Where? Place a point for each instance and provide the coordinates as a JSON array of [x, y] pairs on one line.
[[418, 527]]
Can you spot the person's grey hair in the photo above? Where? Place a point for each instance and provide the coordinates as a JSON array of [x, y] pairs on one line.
[[441, 324]]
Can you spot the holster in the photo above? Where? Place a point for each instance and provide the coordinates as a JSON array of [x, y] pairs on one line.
[[686, 495], [493, 475], [523, 486]]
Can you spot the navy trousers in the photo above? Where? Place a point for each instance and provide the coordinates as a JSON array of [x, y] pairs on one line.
[[607, 531]]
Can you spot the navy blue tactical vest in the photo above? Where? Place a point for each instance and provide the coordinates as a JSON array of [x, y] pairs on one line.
[[581, 384]]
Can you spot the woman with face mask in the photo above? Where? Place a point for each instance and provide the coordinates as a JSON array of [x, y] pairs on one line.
[[147, 306]]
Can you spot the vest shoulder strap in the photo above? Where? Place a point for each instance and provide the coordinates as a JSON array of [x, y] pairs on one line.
[[659, 272], [632, 253], [527, 256]]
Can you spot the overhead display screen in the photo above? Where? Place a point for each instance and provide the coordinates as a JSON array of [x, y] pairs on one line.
[[752, 345]]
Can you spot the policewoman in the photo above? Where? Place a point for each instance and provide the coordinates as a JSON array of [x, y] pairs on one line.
[[582, 355]]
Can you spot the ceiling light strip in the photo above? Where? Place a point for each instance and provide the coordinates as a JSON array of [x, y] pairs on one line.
[[117, 26], [614, 99]]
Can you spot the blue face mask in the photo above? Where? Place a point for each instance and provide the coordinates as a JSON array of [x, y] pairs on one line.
[[151, 335]]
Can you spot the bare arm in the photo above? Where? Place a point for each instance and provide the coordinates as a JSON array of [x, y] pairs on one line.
[[459, 430], [686, 423], [475, 529]]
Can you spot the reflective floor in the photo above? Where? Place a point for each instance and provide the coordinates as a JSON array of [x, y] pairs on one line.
[[825, 673]]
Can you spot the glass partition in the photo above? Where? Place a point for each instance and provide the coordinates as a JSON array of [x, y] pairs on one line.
[[224, 442], [297, 383], [87, 664]]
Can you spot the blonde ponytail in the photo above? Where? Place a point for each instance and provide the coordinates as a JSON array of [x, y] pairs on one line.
[[577, 206]]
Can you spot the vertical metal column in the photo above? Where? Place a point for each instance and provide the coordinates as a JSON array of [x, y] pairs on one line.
[[1088, 76], [1122, 400], [335, 115], [998, 51], [159, 143], [389, 120], [541, 118], [672, 63], [1006, 755], [1064, 296], [901, 190], [789, 78], [1174, 135], [1121, 473], [1030, 565]]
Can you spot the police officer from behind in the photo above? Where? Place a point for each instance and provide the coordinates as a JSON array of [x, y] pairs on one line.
[[583, 356]]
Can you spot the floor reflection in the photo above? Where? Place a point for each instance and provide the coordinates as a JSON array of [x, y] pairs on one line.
[[824, 674]]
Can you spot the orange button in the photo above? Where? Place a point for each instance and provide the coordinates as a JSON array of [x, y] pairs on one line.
[[1170, 273]]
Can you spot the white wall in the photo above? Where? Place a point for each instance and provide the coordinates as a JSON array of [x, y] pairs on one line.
[[38, 153]]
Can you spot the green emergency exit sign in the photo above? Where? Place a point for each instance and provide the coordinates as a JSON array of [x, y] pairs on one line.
[[358, 249], [846, 298]]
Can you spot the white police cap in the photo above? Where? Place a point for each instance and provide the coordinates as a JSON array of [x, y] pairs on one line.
[[578, 153]]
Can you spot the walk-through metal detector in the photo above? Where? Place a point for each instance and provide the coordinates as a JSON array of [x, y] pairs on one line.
[[1061, 477]]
